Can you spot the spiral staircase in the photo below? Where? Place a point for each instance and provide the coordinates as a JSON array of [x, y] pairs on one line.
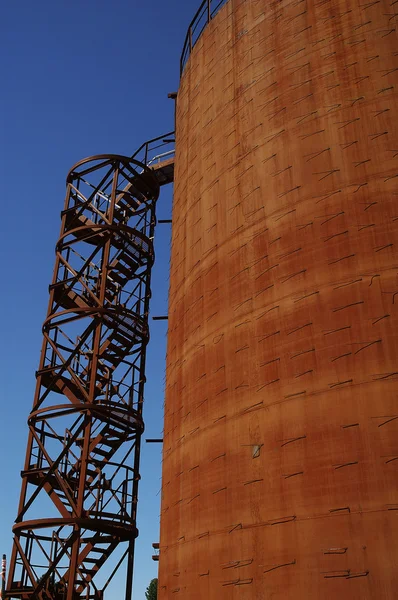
[[82, 459]]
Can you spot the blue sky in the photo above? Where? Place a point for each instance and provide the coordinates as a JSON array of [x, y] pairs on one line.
[[79, 77]]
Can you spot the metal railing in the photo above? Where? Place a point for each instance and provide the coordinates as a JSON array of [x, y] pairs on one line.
[[153, 150], [206, 12]]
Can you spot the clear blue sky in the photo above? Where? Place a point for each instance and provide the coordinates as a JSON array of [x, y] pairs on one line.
[[78, 77]]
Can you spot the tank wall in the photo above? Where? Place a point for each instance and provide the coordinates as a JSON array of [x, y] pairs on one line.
[[281, 418]]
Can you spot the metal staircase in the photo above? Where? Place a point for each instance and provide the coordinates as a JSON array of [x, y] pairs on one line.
[[82, 459]]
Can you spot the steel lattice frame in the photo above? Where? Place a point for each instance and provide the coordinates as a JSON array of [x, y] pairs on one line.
[[85, 427]]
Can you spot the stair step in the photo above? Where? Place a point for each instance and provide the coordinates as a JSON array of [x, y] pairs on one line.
[[117, 276], [118, 320], [111, 284], [127, 200], [130, 259], [93, 561], [125, 207], [124, 334], [101, 452], [119, 435], [123, 269], [61, 385], [88, 571], [136, 249], [120, 337], [92, 472], [110, 295], [104, 369], [141, 184], [114, 360], [103, 551], [66, 504], [113, 445], [115, 349], [66, 297], [119, 216], [110, 429]]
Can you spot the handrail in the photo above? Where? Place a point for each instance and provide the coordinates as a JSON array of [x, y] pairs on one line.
[[144, 152], [159, 157], [205, 13]]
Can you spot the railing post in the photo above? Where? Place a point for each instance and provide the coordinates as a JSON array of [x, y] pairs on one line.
[[208, 11], [190, 38]]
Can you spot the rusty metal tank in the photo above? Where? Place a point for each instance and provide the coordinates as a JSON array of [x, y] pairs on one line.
[[281, 418]]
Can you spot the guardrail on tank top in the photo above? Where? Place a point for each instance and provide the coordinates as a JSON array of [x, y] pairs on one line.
[[206, 12]]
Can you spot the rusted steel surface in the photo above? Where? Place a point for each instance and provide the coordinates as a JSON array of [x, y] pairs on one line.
[[80, 479], [281, 418]]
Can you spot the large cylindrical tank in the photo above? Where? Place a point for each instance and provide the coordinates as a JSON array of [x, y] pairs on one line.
[[281, 419]]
